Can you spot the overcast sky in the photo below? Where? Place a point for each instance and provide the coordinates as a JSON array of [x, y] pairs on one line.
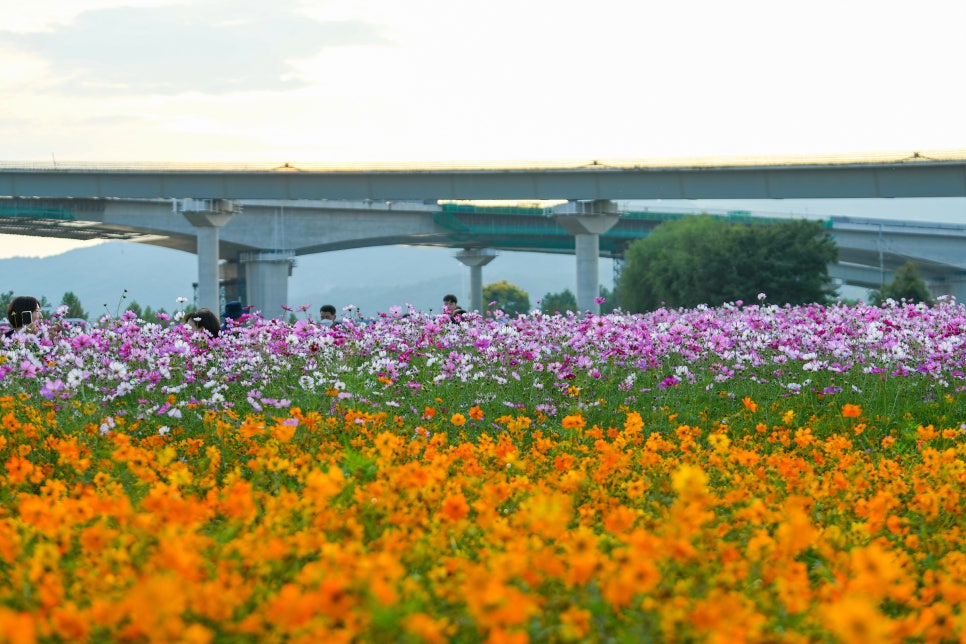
[[496, 80]]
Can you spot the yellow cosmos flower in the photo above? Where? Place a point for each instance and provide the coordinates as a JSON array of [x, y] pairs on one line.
[[689, 481]]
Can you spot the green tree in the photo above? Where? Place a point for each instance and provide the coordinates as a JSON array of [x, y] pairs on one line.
[[510, 298], [135, 308], [906, 284], [559, 302], [150, 315], [703, 260], [73, 304]]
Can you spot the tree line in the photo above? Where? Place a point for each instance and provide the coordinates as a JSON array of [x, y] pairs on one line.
[[705, 260]]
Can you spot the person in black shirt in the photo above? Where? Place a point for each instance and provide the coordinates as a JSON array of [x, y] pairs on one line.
[[452, 308]]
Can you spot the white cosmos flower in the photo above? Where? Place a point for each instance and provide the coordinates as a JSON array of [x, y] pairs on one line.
[[75, 377]]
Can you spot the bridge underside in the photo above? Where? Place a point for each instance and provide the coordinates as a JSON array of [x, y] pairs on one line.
[[315, 230], [888, 264], [611, 247], [78, 230]]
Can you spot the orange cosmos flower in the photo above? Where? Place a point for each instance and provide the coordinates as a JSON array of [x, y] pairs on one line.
[[252, 426], [573, 422], [18, 469], [926, 433], [68, 622], [476, 413], [563, 462], [851, 411], [750, 404], [634, 423], [427, 629], [458, 419], [856, 619], [17, 626], [455, 507], [284, 430]]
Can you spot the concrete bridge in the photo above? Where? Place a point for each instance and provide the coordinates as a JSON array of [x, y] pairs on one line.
[[249, 246], [899, 175], [247, 223]]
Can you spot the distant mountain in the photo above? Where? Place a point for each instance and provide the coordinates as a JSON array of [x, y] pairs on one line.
[[372, 279], [99, 275]]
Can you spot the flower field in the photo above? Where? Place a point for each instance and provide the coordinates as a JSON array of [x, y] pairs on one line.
[[743, 473]]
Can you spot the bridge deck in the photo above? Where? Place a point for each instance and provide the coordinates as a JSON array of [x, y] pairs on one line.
[[906, 174]]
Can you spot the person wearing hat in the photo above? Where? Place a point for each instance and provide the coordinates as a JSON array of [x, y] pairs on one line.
[[233, 312]]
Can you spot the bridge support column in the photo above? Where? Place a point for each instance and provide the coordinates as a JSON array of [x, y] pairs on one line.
[[266, 280], [587, 221], [476, 259], [207, 216]]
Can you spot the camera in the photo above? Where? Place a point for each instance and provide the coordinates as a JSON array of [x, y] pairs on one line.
[[26, 318]]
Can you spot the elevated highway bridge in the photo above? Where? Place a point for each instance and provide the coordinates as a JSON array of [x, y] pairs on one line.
[[870, 250], [247, 223]]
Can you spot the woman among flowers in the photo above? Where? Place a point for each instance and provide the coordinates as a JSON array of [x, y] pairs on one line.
[[204, 320], [23, 313]]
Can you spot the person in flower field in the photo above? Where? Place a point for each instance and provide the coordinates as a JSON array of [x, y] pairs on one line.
[[451, 307], [327, 315], [204, 320], [23, 312], [233, 311]]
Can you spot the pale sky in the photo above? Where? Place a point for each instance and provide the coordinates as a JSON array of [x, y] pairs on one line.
[[374, 81]]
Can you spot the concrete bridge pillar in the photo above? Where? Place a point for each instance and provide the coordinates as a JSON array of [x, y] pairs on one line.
[[476, 259], [207, 216], [587, 221], [266, 280]]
